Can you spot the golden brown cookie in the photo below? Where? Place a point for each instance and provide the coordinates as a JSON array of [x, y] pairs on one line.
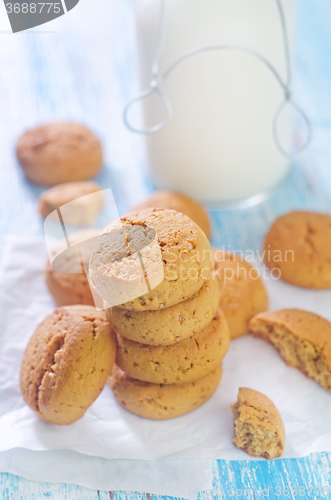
[[242, 292], [180, 203], [186, 361], [158, 401], [77, 207], [302, 338], [259, 427], [59, 152], [171, 325], [67, 363], [297, 249], [175, 253], [68, 283], [68, 288]]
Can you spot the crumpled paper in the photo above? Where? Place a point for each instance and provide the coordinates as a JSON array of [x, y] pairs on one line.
[[108, 431]]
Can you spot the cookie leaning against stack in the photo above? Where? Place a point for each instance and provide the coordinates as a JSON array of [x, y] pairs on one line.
[[67, 362], [171, 341]]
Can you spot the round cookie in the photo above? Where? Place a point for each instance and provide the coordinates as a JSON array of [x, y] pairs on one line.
[[186, 361], [180, 203], [59, 152], [259, 427], [297, 249], [171, 325], [82, 209], [184, 256], [70, 285], [67, 363], [68, 288], [243, 294], [161, 402]]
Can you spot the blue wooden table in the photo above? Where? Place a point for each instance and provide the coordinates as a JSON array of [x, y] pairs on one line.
[[82, 67]]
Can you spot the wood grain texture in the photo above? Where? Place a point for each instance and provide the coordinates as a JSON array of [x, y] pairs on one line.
[[84, 69]]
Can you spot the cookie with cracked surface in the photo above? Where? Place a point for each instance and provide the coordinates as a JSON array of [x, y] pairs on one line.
[[68, 283], [180, 203], [159, 401], [186, 361], [67, 362], [242, 292], [58, 152], [177, 258], [171, 325], [259, 429], [302, 338], [297, 248], [80, 202]]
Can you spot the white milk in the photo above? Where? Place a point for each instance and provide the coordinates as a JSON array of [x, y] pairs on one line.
[[219, 144]]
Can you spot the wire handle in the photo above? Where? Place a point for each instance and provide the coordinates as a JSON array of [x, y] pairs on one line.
[[158, 78]]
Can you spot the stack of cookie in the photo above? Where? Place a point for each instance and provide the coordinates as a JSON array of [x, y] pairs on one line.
[[171, 340]]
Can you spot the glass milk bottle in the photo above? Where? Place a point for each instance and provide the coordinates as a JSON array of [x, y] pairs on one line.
[[219, 144]]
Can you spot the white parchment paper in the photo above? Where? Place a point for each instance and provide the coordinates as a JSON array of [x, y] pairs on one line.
[[108, 431]]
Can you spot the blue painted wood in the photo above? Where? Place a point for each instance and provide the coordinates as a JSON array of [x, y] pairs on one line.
[[85, 70], [274, 479]]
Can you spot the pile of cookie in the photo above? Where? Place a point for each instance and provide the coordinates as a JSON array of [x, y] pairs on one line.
[[171, 340], [162, 349]]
